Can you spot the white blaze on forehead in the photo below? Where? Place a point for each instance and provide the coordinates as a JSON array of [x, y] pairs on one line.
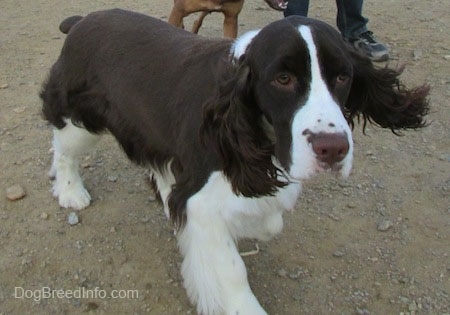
[[240, 45], [318, 86], [320, 104], [319, 114]]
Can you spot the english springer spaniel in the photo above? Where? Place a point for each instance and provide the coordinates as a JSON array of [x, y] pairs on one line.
[[229, 129]]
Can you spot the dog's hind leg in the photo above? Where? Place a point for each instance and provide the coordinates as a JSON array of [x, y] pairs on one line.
[[198, 23], [68, 143]]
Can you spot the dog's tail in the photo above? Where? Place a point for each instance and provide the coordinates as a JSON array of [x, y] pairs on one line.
[[68, 23]]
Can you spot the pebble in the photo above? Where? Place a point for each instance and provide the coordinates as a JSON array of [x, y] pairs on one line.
[[152, 197], [4, 86], [351, 205], [294, 275], [447, 57], [73, 218], [20, 109], [384, 225], [44, 215], [15, 192], [363, 311], [404, 300], [445, 157], [282, 272], [113, 178], [412, 307], [417, 54], [338, 253]]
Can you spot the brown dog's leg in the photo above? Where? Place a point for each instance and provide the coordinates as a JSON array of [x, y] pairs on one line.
[[230, 23], [198, 23], [176, 16]]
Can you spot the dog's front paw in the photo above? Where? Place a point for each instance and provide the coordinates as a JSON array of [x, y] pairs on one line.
[[72, 196], [245, 303]]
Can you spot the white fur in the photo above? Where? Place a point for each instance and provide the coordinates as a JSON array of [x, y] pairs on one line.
[[214, 273], [240, 44], [320, 113], [164, 180], [68, 143]]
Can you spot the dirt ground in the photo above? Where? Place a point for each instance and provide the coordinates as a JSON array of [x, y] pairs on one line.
[[375, 243]]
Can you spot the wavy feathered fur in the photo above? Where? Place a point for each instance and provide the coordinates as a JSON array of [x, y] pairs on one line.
[[232, 120], [378, 96]]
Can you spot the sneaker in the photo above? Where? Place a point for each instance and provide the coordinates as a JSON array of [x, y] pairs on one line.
[[368, 45]]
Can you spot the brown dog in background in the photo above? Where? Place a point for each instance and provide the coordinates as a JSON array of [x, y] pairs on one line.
[[229, 8]]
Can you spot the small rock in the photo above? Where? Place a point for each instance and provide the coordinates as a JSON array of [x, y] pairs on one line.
[[447, 57], [445, 157], [15, 192], [404, 300], [145, 219], [294, 275], [4, 86], [19, 110], [338, 253], [417, 54], [152, 197], [73, 218], [412, 307], [44, 215], [113, 178], [282, 272], [297, 297], [384, 225], [79, 245], [363, 311]]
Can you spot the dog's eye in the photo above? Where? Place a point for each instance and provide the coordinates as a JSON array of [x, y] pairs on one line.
[[283, 79], [342, 78]]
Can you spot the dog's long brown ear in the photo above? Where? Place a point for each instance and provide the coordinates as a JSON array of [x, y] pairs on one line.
[[379, 97], [233, 124]]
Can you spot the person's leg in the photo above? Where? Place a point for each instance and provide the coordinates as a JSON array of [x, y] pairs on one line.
[[297, 7], [349, 20], [353, 27]]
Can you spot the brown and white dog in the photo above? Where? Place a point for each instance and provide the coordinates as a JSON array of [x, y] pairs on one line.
[[229, 129], [229, 8]]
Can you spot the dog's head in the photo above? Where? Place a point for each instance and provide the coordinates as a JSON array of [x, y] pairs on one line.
[[294, 90]]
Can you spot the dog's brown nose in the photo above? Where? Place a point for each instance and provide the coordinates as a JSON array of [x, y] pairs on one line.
[[330, 148]]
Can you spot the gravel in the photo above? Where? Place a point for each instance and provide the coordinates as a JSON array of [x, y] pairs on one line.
[[73, 218], [15, 192]]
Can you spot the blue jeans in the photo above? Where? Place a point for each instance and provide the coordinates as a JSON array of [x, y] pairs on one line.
[[349, 19]]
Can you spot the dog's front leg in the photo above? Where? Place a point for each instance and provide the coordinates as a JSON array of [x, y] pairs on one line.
[[176, 16], [231, 11], [214, 273], [230, 26]]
